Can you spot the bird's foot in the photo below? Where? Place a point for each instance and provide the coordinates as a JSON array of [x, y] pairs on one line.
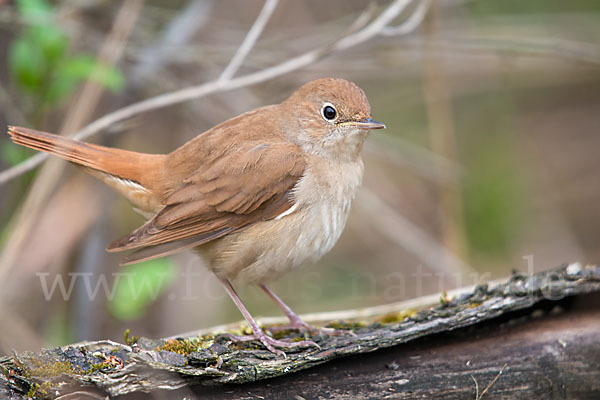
[[303, 327], [272, 344]]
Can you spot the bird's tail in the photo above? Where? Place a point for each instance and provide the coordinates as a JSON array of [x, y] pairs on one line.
[[120, 169]]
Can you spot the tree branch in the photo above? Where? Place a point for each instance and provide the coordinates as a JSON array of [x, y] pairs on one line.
[[249, 41]]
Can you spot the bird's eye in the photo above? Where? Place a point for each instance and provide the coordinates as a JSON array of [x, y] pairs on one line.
[[328, 112]]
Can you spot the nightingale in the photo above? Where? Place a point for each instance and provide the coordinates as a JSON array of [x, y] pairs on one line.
[[256, 196]]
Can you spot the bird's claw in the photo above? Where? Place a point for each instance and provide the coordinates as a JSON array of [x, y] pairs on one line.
[[303, 327], [271, 344]]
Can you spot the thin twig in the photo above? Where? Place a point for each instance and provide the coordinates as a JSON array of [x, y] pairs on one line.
[[476, 388], [22, 167], [195, 92], [189, 20], [375, 27], [411, 23], [492, 382], [249, 41], [361, 21]]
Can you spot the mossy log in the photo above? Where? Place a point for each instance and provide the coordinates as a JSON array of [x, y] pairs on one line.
[[473, 342]]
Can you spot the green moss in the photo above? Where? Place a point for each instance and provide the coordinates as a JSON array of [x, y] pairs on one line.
[[187, 346], [33, 391], [37, 391], [399, 316], [44, 370], [445, 299], [241, 331], [5, 371], [129, 339], [474, 304], [346, 325], [97, 367], [283, 333]]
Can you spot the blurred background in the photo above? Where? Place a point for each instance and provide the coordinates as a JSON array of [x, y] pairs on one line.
[[489, 163]]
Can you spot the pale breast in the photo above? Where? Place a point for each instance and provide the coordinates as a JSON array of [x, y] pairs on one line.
[[303, 234]]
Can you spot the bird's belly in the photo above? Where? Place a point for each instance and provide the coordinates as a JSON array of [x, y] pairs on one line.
[[269, 249]]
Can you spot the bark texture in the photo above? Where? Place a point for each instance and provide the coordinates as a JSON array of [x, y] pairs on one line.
[[530, 337]]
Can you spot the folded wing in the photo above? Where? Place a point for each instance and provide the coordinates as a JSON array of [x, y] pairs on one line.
[[226, 194]]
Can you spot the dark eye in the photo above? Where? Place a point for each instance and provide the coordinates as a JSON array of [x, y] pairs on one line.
[[328, 112]]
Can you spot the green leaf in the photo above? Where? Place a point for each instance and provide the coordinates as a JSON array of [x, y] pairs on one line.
[[35, 11], [139, 286], [42, 28], [110, 77], [77, 69], [27, 64], [85, 67], [52, 42], [59, 88], [39, 63]]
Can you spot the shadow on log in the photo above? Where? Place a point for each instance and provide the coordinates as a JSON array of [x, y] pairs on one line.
[[530, 337]]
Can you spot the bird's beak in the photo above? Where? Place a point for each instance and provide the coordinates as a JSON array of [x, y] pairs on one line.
[[367, 123]]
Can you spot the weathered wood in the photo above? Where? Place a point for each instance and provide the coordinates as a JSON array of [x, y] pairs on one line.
[[552, 352], [445, 364]]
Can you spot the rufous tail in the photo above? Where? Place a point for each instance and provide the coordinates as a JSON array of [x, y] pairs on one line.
[[128, 172]]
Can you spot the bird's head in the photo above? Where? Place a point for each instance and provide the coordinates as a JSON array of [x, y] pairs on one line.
[[329, 117]]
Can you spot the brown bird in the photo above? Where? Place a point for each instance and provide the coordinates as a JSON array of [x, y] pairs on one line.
[[256, 196]]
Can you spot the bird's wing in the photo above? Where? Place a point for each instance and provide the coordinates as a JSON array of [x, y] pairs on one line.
[[231, 192]]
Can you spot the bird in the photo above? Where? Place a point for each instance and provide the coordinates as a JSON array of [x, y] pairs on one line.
[[256, 196]]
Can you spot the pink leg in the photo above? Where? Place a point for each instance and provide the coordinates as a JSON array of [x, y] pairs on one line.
[[258, 333], [295, 321]]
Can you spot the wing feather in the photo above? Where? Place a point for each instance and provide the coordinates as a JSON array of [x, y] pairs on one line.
[[236, 189]]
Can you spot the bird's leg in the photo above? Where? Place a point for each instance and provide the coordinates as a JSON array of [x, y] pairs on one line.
[[295, 321], [258, 334]]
